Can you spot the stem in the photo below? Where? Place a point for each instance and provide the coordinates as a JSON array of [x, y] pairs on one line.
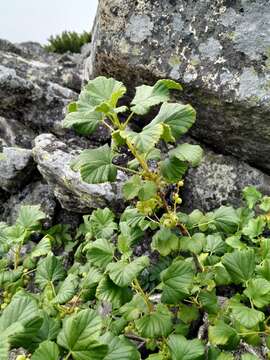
[[137, 286], [107, 125], [206, 223], [165, 202], [17, 256], [196, 260], [53, 289], [127, 169], [68, 355], [128, 120], [141, 160]]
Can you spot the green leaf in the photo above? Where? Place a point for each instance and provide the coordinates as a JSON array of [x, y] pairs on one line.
[[120, 348], [147, 191], [128, 237], [134, 309], [225, 356], [29, 216], [179, 117], [15, 234], [147, 96], [85, 120], [173, 169], [258, 290], [209, 301], [123, 273], [176, 281], [155, 324], [100, 94], [226, 219], [222, 334], [133, 219], [20, 320], [42, 248], [108, 291], [49, 329], [249, 357], [146, 139], [235, 242], [100, 253], [167, 134], [240, 264], [194, 244], [132, 187], [102, 223], [263, 269], [254, 227], [184, 349], [49, 270], [165, 241], [215, 244], [265, 204], [188, 313], [186, 152], [158, 356], [4, 346], [67, 290], [95, 165], [103, 89], [251, 196], [246, 316], [80, 334], [47, 350]]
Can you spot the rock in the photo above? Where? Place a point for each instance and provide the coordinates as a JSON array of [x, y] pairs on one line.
[[53, 158], [222, 58], [219, 180], [15, 168], [33, 194], [31, 61], [14, 353], [38, 105], [12, 133]]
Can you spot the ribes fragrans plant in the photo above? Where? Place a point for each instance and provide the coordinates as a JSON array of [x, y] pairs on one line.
[[90, 297], [98, 103]]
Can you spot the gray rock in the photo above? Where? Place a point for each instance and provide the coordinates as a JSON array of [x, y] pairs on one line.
[[15, 168], [36, 193], [219, 180], [31, 61], [39, 105], [222, 58], [53, 158], [13, 133], [16, 352]]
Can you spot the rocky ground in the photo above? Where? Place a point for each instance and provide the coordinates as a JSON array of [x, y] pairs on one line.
[[35, 88]]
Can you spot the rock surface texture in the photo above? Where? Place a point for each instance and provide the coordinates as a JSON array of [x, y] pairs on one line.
[[54, 158], [218, 49]]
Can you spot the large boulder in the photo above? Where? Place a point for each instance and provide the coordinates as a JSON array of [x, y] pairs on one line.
[[14, 133], [219, 51], [16, 168], [219, 180], [53, 158], [35, 193], [38, 104]]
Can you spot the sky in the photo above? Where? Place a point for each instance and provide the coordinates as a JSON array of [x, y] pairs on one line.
[[36, 20]]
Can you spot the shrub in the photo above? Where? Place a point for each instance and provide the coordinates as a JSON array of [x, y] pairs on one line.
[[68, 41], [108, 303]]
